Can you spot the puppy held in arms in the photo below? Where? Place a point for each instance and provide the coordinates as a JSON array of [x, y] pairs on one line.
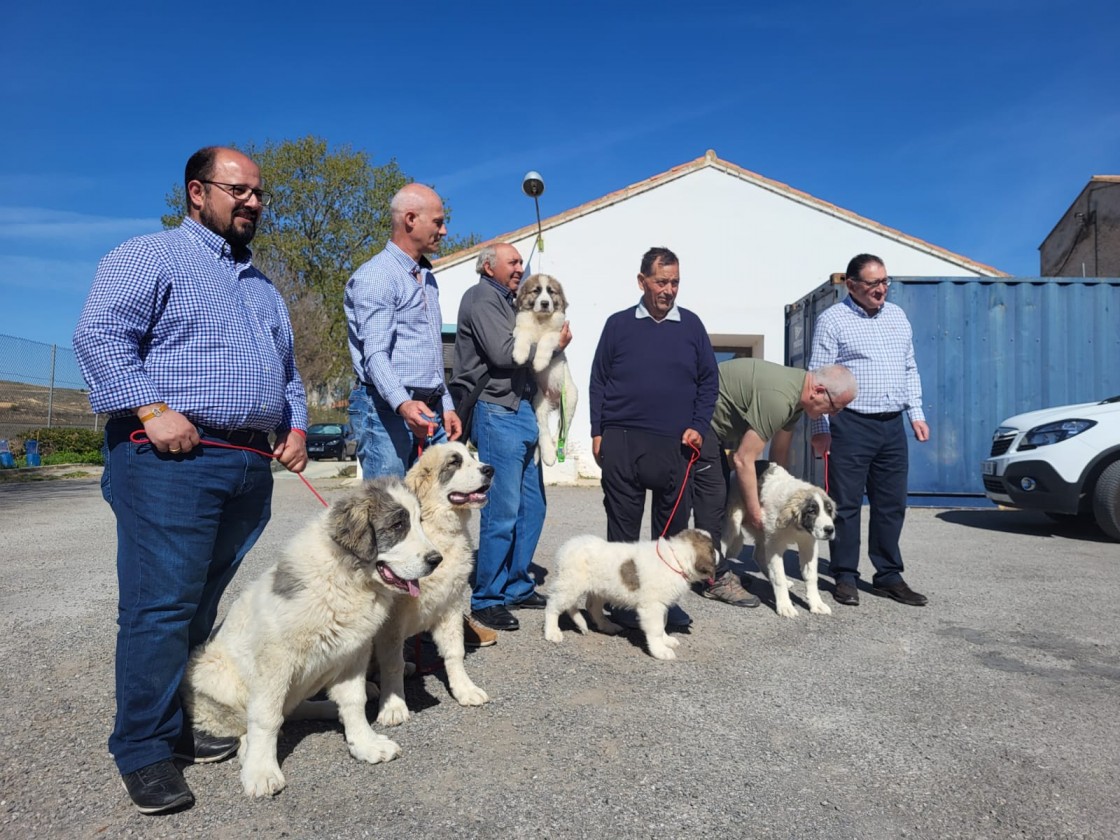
[[541, 312], [649, 577]]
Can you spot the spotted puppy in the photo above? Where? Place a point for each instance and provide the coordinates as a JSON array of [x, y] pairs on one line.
[[649, 577], [794, 512], [541, 312]]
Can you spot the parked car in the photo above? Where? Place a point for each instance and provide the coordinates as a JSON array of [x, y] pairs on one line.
[[1064, 461], [331, 440]]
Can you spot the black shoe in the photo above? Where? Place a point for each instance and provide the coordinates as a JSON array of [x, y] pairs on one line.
[[198, 747], [496, 618], [535, 601], [901, 593], [677, 619], [846, 594], [157, 788]]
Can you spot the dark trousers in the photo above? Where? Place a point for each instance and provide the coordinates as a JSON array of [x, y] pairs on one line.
[[710, 481], [868, 454], [634, 462]]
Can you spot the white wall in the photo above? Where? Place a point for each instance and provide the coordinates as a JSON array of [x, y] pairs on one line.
[[745, 253]]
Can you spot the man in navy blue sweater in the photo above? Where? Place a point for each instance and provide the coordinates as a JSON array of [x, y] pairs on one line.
[[653, 388]]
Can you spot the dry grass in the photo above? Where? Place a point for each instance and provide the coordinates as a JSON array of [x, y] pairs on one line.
[[24, 406]]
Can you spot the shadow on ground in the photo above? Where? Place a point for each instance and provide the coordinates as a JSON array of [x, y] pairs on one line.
[[1026, 522]]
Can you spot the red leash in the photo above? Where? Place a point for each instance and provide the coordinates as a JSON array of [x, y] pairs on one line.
[[692, 460], [139, 437], [427, 442], [826, 472]]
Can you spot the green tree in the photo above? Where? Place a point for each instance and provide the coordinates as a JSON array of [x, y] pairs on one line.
[[329, 214]]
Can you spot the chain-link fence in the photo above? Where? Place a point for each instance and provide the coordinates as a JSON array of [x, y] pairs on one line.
[[41, 387]]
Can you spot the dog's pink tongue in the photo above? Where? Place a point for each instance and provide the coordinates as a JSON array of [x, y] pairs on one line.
[[413, 588]]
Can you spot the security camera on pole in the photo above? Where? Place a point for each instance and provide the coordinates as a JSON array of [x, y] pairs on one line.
[[533, 186]]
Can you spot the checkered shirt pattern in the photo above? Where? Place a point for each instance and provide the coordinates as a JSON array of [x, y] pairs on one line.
[[172, 317], [879, 351], [394, 326]]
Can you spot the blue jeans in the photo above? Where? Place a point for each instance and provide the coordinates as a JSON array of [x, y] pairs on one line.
[[510, 525], [386, 446], [184, 522]]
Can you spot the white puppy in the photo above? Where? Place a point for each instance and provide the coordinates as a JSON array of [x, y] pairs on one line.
[[794, 512], [541, 311], [450, 482], [307, 625], [647, 576]]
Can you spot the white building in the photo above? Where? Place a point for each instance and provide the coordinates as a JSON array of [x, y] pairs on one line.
[[747, 247]]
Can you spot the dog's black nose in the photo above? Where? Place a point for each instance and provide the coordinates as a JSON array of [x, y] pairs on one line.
[[433, 558], [829, 531], [487, 470]]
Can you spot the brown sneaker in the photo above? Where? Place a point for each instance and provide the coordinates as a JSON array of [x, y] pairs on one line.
[[728, 588], [476, 635]]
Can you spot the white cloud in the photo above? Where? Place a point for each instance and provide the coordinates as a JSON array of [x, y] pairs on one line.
[[22, 273], [35, 225]]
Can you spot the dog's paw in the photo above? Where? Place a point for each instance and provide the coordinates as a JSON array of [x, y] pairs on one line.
[[471, 695], [548, 455], [393, 713], [820, 608], [541, 360], [672, 642], [787, 610], [662, 652], [553, 634], [262, 781], [374, 749]]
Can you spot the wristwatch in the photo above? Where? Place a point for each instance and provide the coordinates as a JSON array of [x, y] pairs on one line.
[[157, 410]]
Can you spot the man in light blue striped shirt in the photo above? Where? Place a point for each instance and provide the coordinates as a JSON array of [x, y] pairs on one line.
[[394, 329], [867, 443], [184, 339]]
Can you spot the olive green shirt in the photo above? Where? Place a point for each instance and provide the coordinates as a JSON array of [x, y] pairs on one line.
[[758, 395]]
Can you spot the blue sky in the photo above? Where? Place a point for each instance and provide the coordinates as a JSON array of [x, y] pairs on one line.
[[972, 125]]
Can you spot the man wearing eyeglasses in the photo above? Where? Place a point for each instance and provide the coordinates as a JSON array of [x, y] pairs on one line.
[[867, 444], [183, 340], [400, 400], [759, 403]]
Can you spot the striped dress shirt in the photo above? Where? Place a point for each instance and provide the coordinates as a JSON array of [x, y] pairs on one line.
[[394, 326], [879, 351], [172, 317]]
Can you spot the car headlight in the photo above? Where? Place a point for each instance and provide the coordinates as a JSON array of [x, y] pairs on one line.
[[1054, 433]]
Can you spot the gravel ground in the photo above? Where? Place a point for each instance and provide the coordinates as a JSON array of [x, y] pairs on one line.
[[990, 713]]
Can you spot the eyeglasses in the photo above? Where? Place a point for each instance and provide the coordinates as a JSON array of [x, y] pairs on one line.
[[241, 192], [873, 284], [831, 404]]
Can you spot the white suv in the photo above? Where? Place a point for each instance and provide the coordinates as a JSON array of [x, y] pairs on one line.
[[1064, 461]]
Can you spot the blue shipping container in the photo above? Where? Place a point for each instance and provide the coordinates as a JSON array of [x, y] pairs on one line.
[[987, 348]]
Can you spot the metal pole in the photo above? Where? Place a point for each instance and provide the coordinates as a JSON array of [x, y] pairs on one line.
[[50, 394]]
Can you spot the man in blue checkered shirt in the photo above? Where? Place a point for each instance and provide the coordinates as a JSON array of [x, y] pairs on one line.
[[184, 340], [394, 327], [867, 443]]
